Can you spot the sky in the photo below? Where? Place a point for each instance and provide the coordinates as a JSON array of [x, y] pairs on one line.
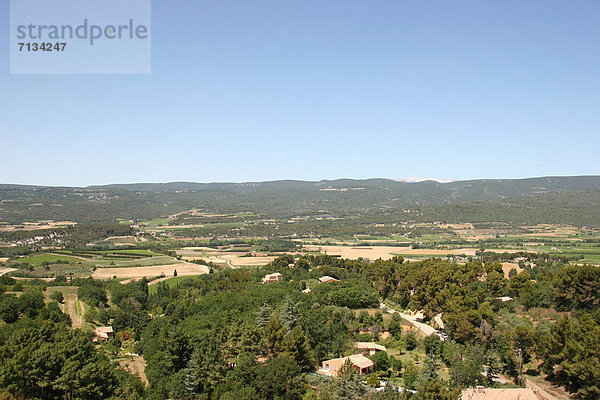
[[300, 89]]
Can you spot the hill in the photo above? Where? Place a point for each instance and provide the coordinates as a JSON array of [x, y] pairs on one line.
[[573, 200]]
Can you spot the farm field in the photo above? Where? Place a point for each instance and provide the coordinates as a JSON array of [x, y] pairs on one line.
[[387, 252], [183, 269], [40, 259], [71, 304], [171, 281]]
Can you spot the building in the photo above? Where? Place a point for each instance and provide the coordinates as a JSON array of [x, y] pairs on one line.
[[275, 277], [361, 364], [369, 348], [103, 333], [326, 278], [481, 393]]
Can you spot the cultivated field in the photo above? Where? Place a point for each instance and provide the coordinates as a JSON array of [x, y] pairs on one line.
[[183, 269]]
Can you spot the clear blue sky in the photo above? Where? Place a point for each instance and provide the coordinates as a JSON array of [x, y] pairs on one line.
[[262, 90]]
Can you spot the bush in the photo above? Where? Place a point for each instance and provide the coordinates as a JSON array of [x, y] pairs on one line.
[[411, 341], [57, 296], [92, 294]]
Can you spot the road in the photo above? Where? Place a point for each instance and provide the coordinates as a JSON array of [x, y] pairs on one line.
[[415, 320], [6, 270], [428, 330]]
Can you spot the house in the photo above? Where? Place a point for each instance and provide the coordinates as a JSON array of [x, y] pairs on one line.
[[275, 277], [369, 348], [481, 393], [383, 335], [103, 333], [326, 278], [504, 299], [361, 364]]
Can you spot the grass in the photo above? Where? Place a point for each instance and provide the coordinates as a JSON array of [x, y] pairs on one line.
[[127, 263], [369, 237], [38, 260], [172, 282]]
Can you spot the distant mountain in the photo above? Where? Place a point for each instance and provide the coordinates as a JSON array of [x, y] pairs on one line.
[[286, 198]]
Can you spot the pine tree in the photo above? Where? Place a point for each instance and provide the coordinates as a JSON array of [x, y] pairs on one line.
[[295, 346], [290, 314], [263, 315], [431, 367], [346, 371], [493, 368], [274, 333], [373, 380], [189, 381]]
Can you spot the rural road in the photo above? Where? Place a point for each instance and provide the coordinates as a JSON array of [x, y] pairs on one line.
[[6, 270], [537, 389], [416, 321], [428, 330]]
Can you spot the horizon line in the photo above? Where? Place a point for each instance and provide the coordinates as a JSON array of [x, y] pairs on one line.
[[402, 180]]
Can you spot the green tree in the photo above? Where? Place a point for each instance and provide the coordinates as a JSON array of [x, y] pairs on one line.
[[436, 390], [290, 314], [295, 346], [410, 376], [279, 378], [381, 361], [431, 367], [373, 380], [571, 355], [274, 334], [57, 296]]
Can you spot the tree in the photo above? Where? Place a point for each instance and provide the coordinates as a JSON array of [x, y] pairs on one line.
[[9, 308], [466, 363], [290, 314], [571, 355], [373, 380], [395, 326], [431, 367], [92, 294], [381, 361], [410, 376], [492, 368], [274, 334], [279, 378], [57, 296], [578, 287], [411, 340], [396, 365], [206, 368], [436, 390], [433, 345], [347, 370], [174, 272], [347, 388], [31, 303], [263, 315], [295, 346]]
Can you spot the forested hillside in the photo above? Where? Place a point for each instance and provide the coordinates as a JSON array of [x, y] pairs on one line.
[[569, 200]]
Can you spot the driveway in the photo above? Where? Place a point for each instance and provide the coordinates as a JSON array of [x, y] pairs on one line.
[[416, 320]]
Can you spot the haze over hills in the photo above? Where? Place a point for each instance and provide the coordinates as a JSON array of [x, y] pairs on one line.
[[572, 200]]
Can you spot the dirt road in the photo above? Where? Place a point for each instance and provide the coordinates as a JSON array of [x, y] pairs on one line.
[[416, 320]]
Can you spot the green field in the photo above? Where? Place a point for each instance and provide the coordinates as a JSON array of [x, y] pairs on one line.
[[172, 282], [40, 259]]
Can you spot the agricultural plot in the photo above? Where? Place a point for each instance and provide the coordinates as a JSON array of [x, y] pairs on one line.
[[171, 282], [71, 304], [183, 269], [40, 259]]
